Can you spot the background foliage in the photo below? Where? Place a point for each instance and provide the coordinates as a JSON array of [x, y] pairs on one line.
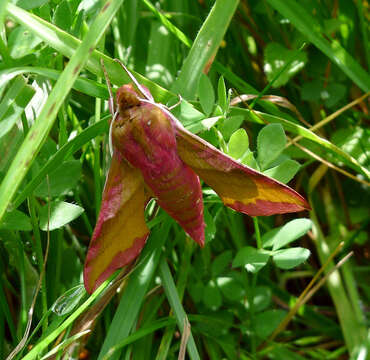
[[299, 66]]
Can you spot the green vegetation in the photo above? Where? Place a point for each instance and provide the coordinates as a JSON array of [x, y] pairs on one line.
[[281, 86]]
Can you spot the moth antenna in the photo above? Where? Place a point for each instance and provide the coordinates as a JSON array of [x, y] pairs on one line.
[[132, 77], [110, 133], [109, 85]]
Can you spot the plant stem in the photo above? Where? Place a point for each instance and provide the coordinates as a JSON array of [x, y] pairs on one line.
[[39, 256], [257, 232]]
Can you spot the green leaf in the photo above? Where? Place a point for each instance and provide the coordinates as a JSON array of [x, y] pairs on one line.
[[63, 15], [238, 144], [281, 236], [22, 42], [61, 180], [196, 291], [281, 352], [30, 4], [333, 93], [277, 57], [271, 142], [189, 116], [13, 104], [310, 91], [61, 213], [210, 229], [354, 141], [208, 123], [267, 322], [206, 94], [221, 93], [252, 259], [16, 220], [284, 172], [230, 125], [221, 263], [249, 160], [261, 298], [290, 258], [9, 145], [215, 323], [211, 296], [231, 288]]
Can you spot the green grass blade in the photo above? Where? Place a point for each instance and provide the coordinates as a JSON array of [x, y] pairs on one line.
[[309, 27], [57, 159], [174, 300], [204, 47], [3, 48], [43, 344], [86, 86], [37, 134], [67, 45], [172, 28], [135, 291], [155, 325], [7, 314], [305, 133]]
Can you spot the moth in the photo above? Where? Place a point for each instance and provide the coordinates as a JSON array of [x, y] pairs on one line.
[[154, 156]]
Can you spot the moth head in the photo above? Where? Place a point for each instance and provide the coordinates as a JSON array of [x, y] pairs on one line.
[[127, 97]]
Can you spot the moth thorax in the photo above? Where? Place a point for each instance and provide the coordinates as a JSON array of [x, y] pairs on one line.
[[127, 97]]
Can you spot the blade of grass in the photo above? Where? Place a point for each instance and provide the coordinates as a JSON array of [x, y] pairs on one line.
[[343, 306], [173, 29], [204, 47], [135, 291], [293, 310], [326, 163], [332, 116], [40, 283], [67, 45], [6, 311], [364, 32], [44, 343], [310, 28], [3, 48], [263, 118], [64, 344], [184, 270], [155, 325], [57, 159], [39, 131], [39, 254], [229, 75], [86, 86], [174, 300]]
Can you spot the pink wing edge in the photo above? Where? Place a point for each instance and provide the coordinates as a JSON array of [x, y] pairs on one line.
[[217, 159]]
